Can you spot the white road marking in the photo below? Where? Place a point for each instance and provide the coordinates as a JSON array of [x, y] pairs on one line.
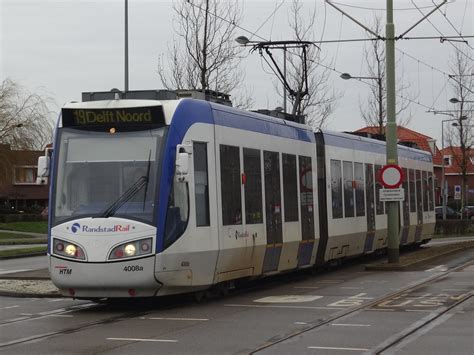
[[417, 310], [61, 315], [47, 313], [9, 307], [380, 310], [351, 288], [13, 320], [288, 299], [454, 289], [26, 314], [332, 348], [13, 271], [275, 306], [438, 268], [300, 323], [330, 281], [137, 339], [190, 319], [350, 325]]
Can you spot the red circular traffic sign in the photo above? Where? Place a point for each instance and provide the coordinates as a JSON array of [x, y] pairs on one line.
[[391, 176]]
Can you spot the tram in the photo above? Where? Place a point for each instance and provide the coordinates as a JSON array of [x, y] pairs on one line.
[[159, 197]]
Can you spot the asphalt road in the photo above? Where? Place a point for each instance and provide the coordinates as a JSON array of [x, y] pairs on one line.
[[349, 310]]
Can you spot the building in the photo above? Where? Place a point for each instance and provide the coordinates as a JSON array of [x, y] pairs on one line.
[[18, 189], [453, 173]]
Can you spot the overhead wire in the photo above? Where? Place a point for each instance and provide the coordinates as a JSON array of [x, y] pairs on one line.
[[431, 23], [379, 9], [451, 24], [272, 15]]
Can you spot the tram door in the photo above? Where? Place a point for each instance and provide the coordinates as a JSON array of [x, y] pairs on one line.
[[273, 211], [370, 205], [405, 210], [419, 206]]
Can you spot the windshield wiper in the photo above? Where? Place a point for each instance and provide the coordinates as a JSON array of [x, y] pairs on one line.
[[130, 192], [125, 197]]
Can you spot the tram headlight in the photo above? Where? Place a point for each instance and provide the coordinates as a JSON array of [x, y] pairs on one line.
[[68, 249], [131, 249]]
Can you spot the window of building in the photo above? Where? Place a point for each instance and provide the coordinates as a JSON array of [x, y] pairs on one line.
[[348, 177], [360, 186], [201, 186], [306, 198], [447, 160], [290, 189], [25, 174], [336, 188], [412, 190], [379, 205], [230, 185], [253, 186]]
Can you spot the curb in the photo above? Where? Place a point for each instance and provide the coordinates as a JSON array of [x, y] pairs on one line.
[[407, 265], [32, 295]]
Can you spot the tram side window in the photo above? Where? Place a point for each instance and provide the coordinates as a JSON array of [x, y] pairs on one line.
[[419, 192], [379, 205], [348, 175], [412, 190], [306, 198], [336, 189], [290, 190], [230, 185], [406, 200], [424, 175], [253, 186], [430, 191], [360, 186], [201, 185]]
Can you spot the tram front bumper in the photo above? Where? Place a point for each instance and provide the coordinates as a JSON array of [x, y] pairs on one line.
[[131, 278]]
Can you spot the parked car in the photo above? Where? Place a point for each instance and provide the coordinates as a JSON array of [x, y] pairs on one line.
[[468, 212], [450, 213]]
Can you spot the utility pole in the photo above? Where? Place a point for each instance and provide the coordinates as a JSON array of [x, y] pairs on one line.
[[126, 46], [393, 245]]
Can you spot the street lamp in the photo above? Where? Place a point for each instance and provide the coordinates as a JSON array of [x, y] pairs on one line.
[[456, 101], [347, 76], [443, 182]]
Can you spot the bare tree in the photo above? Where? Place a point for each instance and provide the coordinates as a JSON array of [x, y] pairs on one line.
[[374, 111], [460, 137], [206, 56], [24, 118], [318, 102]]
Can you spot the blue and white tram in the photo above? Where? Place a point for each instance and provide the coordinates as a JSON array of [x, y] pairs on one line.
[[151, 197]]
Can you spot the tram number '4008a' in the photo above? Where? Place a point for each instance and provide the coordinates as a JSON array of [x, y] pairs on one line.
[[133, 268]]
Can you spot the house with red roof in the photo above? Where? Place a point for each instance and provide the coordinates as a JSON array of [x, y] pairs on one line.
[[453, 171]]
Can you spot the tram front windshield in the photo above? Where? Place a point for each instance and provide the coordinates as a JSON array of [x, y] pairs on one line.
[[104, 175]]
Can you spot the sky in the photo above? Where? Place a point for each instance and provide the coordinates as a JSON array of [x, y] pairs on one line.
[[63, 48]]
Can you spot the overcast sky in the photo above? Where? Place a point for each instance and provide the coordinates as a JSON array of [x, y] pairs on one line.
[[62, 48]]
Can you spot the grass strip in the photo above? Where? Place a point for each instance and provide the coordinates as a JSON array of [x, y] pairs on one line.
[[22, 251], [34, 227]]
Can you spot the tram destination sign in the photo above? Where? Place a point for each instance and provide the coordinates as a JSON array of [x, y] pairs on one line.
[[397, 194], [120, 117]]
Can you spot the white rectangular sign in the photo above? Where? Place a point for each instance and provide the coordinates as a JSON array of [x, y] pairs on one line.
[[397, 194]]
